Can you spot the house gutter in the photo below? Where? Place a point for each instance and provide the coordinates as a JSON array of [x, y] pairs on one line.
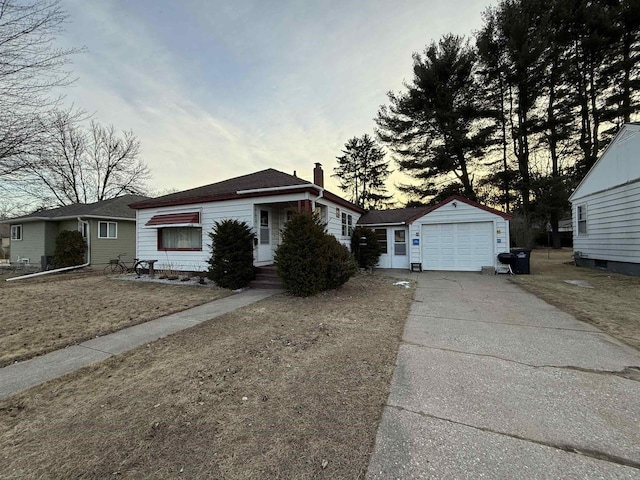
[[63, 269], [382, 224]]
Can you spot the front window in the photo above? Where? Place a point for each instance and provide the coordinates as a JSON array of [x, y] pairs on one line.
[[107, 230], [381, 235], [16, 232], [180, 238], [582, 219], [399, 242]]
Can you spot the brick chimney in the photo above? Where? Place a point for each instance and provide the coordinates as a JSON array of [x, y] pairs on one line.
[[318, 175]]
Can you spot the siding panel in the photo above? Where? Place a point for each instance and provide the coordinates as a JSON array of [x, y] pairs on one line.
[[32, 244], [613, 225]]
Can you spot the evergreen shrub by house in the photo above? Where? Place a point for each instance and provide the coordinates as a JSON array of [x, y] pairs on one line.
[[309, 260], [231, 262], [340, 266], [70, 249], [369, 254]]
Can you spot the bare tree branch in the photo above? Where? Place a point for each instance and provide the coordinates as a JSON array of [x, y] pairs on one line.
[[31, 67]]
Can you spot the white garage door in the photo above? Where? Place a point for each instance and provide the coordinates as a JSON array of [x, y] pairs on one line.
[[457, 246]]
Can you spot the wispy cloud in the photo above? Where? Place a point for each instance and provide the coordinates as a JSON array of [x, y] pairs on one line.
[[218, 89]]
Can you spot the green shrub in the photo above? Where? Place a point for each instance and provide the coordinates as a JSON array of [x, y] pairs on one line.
[[340, 264], [70, 249], [231, 262], [369, 254], [299, 267], [309, 260]]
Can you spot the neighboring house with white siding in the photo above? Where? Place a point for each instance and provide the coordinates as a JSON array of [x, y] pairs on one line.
[[173, 229], [606, 207], [107, 226], [455, 234]]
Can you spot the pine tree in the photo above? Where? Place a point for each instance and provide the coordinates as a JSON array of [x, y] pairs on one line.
[[435, 128], [362, 172]]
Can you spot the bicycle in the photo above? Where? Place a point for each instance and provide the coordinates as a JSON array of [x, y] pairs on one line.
[[119, 266]]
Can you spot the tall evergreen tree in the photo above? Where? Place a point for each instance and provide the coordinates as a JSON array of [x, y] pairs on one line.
[[521, 28], [497, 96], [623, 99], [362, 172], [557, 125], [435, 128]]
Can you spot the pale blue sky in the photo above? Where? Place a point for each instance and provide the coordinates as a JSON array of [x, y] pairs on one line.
[[215, 89]]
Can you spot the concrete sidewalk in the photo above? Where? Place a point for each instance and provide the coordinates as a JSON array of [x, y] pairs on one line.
[[23, 375], [492, 382]]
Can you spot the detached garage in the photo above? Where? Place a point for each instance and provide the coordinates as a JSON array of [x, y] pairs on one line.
[[456, 234]]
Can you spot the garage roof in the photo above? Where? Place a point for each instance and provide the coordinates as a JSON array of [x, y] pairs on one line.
[[405, 216]]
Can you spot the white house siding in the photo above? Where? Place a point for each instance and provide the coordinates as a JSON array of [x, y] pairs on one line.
[[334, 222], [611, 194], [462, 213], [147, 238], [613, 225], [244, 210], [618, 165]]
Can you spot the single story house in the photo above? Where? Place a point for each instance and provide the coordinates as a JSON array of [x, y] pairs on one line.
[[606, 207], [173, 229], [108, 226], [455, 234]]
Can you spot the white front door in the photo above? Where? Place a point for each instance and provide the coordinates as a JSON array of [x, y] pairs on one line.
[[400, 253], [265, 224]]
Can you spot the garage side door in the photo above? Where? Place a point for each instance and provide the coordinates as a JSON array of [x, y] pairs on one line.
[[457, 246]]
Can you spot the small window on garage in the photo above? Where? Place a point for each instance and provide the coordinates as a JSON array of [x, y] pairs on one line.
[[381, 235], [582, 219], [399, 242]]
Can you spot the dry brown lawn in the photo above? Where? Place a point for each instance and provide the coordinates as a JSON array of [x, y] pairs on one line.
[[285, 388], [47, 313], [613, 304]]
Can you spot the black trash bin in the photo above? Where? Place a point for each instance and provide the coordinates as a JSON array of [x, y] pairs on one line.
[[522, 263]]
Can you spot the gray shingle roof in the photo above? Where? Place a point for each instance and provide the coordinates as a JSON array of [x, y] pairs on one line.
[[115, 208], [268, 178], [396, 215]]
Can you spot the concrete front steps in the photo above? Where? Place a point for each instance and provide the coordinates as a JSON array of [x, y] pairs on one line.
[[266, 277]]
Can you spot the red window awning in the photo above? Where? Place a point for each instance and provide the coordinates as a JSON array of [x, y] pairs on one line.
[[175, 219]]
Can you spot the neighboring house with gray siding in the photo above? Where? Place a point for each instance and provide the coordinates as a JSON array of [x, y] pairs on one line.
[[109, 228], [606, 207]]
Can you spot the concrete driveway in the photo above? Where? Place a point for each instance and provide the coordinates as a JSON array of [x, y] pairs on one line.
[[492, 382]]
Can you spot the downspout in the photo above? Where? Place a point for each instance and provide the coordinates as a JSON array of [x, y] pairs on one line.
[[63, 269]]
